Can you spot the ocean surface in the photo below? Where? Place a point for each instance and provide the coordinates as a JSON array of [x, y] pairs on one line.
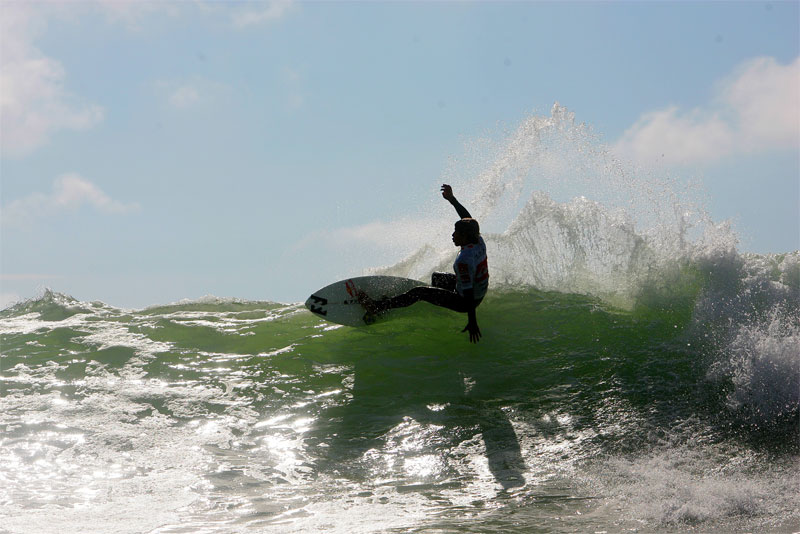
[[637, 373]]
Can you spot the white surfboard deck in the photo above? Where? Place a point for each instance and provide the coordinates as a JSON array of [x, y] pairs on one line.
[[337, 302]]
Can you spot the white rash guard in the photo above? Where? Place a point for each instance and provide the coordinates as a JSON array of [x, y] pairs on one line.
[[472, 269]]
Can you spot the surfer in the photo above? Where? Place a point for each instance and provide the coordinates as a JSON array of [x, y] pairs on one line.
[[461, 292]]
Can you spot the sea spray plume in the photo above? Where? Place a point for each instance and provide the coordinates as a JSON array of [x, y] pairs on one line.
[[622, 227], [575, 247], [566, 159], [503, 172]]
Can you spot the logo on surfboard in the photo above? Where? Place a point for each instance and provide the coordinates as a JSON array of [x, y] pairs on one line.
[[351, 288], [317, 309]]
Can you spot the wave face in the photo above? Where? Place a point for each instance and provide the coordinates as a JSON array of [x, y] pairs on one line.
[[636, 373]]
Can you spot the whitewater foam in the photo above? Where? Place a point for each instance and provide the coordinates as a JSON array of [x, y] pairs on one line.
[[685, 486]]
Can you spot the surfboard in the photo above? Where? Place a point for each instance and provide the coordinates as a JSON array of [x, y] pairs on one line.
[[337, 303]]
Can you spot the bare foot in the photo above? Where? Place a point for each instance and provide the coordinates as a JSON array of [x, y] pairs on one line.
[[365, 300], [374, 308]]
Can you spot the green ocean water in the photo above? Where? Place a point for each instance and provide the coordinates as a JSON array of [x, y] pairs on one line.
[[222, 415]]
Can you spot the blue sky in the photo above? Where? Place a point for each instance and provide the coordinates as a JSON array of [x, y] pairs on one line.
[[159, 151]]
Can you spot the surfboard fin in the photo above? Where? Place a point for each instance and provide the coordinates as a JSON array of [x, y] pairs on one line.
[[370, 318]]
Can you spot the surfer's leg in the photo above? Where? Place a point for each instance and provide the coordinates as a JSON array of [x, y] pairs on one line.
[[446, 281], [434, 295]]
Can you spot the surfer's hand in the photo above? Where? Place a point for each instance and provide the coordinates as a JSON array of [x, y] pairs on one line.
[[447, 192], [474, 331]]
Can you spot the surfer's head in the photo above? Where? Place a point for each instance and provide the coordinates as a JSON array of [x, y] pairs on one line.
[[466, 232]]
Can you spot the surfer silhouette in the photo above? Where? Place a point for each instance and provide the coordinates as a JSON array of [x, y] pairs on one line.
[[461, 292]]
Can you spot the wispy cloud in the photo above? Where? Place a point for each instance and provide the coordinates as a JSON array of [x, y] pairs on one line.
[[184, 96], [28, 277], [70, 192], [261, 13], [399, 237], [755, 109], [133, 14], [189, 94], [295, 86], [34, 102]]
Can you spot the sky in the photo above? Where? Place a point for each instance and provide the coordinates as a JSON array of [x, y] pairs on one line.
[[158, 151]]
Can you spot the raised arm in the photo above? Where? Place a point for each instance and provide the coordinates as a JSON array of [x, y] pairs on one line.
[[447, 193]]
